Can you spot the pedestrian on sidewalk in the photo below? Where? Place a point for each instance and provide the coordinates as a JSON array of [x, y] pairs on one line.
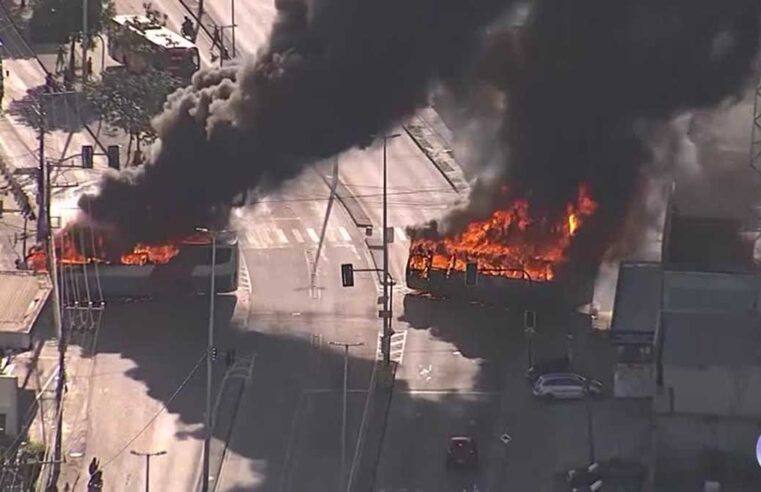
[[60, 61], [187, 28], [93, 466], [88, 67], [216, 39], [68, 79]]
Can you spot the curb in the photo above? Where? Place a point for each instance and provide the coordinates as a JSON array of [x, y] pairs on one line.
[[436, 148]]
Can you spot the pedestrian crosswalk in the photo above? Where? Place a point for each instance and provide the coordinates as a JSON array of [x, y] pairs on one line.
[[273, 235], [398, 342]]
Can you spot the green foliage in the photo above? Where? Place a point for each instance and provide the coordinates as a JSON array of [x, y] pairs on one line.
[[129, 101], [57, 21]]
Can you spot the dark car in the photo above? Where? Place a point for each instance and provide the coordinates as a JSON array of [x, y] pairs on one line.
[[462, 453], [549, 366]]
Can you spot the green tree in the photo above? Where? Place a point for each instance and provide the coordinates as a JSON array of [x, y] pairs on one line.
[[60, 21], [129, 101]]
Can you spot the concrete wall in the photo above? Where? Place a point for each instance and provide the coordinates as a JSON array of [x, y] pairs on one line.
[[683, 441], [9, 403], [713, 390]]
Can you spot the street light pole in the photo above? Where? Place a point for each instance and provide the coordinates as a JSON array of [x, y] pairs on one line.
[[345, 410], [232, 24], [209, 346], [386, 308], [148, 466]]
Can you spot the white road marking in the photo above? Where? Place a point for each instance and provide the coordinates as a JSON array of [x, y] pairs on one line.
[[344, 234], [398, 342], [281, 236], [313, 235], [400, 235], [251, 239], [265, 235], [297, 235]]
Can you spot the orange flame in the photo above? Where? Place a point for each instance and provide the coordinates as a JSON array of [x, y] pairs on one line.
[[510, 243], [70, 253]]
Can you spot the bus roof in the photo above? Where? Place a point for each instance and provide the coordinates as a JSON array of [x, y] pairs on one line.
[[156, 34]]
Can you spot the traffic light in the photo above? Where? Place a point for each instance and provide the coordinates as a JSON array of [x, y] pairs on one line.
[[471, 273], [347, 275], [214, 354], [87, 154], [112, 152]]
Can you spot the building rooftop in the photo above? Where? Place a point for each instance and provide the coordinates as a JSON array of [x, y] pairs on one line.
[[22, 296], [711, 339], [638, 298]]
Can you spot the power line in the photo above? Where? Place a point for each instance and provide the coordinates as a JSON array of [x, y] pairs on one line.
[[160, 411]]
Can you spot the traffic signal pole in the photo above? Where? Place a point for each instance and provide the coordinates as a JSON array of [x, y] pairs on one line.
[[386, 345]]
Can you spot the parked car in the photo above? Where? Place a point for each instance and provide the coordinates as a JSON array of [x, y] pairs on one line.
[[462, 453], [550, 366], [566, 385]]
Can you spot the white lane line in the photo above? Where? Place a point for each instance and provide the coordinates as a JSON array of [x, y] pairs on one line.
[[297, 235], [281, 236], [400, 235], [313, 235], [344, 234]]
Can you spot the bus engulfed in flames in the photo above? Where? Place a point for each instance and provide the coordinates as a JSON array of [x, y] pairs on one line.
[[511, 248], [144, 269]]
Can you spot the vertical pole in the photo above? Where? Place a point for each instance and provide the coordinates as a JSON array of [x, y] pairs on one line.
[[590, 430], [386, 328], [84, 39], [23, 238], [232, 23], [331, 199], [147, 472], [344, 417], [207, 417]]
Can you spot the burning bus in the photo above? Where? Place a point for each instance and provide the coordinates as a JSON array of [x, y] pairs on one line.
[[515, 257], [182, 266]]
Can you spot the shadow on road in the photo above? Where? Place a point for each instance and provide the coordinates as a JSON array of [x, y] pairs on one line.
[[67, 111]]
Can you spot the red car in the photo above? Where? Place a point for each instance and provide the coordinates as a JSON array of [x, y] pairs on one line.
[[462, 453]]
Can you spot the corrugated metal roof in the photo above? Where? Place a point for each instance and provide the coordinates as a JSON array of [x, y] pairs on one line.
[[638, 297], [22, 297], [703, 339]]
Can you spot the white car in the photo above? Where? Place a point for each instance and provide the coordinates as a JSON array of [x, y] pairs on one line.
[[566, 385]]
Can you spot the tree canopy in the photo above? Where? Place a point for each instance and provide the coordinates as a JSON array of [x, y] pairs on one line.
[[58, 21], [129, 101]]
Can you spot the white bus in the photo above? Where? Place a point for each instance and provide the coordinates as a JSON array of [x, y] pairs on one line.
[[139, 43]]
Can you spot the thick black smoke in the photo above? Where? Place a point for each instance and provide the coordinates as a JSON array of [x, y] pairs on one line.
[[335, 73], [598, 77]]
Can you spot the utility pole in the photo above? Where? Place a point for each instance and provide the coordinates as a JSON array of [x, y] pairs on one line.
[[386, 345], [344, 415], [331, 199], [84, 40], [755, 133], [232, 25], [148, 457], [209, 348]]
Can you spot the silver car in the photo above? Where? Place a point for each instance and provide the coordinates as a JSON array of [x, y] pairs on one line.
[[566, 385]]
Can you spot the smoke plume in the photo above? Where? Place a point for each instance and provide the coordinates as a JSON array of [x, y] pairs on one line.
[[590, 76], [598, 79], [334, 73]]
